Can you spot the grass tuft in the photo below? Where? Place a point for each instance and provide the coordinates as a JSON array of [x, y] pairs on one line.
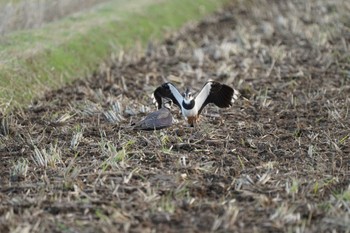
[[20, 168], [47, 158], [77, 136]]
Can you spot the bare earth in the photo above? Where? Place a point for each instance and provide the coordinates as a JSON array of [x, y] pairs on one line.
[[277, 161]]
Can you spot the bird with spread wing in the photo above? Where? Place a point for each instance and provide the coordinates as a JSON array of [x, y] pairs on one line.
[[191, 107]]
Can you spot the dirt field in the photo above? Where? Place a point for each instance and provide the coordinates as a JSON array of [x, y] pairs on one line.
[[277, 161]]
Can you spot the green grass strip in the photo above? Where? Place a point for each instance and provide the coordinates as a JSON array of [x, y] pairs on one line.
[[34, 61]]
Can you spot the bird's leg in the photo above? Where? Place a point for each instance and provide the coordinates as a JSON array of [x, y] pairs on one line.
[[192, 128], [193, 124], [197, 119]]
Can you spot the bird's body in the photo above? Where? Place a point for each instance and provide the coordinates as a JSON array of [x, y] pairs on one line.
[[156, 120], [212, 92], [190, 111]]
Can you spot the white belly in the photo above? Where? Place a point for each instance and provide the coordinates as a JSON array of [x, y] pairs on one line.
[[189, 112]]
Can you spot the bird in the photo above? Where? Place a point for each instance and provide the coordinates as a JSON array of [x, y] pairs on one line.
[[191, 107], [159, 119]]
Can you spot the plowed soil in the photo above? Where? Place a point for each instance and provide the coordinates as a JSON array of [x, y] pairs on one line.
[[276, 161]]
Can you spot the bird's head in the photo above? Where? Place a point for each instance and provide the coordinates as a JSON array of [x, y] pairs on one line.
[[188, 96]]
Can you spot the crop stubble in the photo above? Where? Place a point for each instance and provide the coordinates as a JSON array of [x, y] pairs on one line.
[[278, 160]]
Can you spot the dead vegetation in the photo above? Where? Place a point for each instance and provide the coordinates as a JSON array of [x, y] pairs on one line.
[[277, 161], [24, 14]]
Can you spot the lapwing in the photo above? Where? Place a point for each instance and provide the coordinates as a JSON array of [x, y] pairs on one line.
[[159, 119], [191, 107]]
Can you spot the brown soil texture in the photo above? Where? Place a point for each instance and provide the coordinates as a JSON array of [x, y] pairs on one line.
[[276, 161]]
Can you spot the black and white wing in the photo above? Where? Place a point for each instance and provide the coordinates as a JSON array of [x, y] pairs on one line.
[[219, 94], [167, 90]]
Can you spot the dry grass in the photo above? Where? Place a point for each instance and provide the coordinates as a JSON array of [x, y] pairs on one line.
[[277, 161], [26, 14], [37, 60]]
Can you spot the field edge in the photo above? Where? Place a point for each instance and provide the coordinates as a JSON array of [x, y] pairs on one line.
[[45, 64]]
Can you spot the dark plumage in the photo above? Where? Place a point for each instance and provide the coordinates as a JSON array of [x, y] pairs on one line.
[[156, 120]]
